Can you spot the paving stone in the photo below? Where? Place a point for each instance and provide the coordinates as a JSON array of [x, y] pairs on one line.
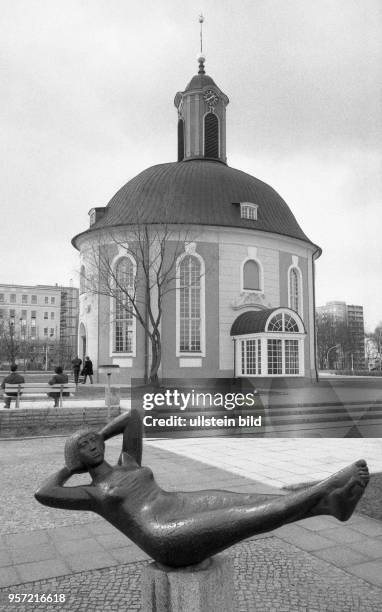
[[113, 540], [77, 532], [42, 569], [128, 554], [341, 556], [303, 538], [8, 576], [5, 557], [29, 554], [344, 535], [368, 527], [81, 562], [26, 539], [101, 528], [318, 523], [372, 572], [80, 546], [270, 576], [368, 546]]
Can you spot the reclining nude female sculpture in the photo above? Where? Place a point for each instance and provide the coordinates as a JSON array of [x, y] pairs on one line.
[[178, 528]]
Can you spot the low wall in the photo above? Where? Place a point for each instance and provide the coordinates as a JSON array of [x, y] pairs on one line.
[[33, 421]]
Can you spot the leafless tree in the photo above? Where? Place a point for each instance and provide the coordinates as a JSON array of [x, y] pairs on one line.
[[10, 340], [155, 249]]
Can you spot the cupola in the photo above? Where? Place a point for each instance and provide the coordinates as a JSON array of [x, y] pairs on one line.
[[201, 118]]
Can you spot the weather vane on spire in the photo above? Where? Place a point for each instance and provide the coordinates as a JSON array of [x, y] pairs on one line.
[[201, 57]]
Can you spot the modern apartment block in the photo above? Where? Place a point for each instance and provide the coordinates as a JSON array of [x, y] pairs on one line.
[[356, 328], [41, 314]]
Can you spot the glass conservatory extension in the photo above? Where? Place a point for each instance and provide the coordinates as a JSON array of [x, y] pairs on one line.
[[269, 343]]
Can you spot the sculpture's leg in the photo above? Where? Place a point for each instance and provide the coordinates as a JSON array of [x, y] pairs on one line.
[[222, 522]]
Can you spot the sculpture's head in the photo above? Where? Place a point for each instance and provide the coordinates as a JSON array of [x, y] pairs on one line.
[[84, 449]]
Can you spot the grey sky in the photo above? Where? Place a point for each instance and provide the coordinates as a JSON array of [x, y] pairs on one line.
[[87, 103]]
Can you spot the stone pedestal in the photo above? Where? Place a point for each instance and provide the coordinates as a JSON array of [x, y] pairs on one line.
[[115, 397], [206, 587]]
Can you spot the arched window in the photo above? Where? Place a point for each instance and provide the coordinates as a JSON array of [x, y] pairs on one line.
[[82, 280], [283, 353], [211, 135], [283, 322], [123, 317], [190, 311], [295, 289], [251, 276], [180, 140]]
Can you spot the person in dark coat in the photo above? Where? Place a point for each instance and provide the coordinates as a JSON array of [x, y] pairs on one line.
[[76, 367], [57, 379], [12, 379], [87, 370]]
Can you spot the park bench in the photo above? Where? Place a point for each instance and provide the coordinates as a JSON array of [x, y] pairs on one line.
[[30, 389]]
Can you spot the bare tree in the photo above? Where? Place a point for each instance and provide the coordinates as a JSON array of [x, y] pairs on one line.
[[155, 250], [335, 341], [10, 340]]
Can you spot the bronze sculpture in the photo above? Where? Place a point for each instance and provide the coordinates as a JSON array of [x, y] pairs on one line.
[[177, 528]]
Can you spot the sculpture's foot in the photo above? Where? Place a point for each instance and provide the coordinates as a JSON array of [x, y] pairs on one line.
[[343, 490]]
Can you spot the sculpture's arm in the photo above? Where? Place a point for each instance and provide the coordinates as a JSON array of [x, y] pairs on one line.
[[116, 426], [130, 424], [53, 493]]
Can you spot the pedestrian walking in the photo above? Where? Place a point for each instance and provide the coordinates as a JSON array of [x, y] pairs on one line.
[[76, 367], [12, 379], [58, 378], [87, 370]]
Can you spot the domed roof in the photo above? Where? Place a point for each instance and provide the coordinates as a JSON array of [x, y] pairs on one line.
[[199, 192], [199, 81]]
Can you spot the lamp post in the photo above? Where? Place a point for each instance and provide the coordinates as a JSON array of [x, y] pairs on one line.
[[108, 369], [328, 351]]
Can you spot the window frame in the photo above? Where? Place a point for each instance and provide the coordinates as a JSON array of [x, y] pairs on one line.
[[202, 351], [250, 207], [261, 276], [282, 338], [295, 268], [112, 347]]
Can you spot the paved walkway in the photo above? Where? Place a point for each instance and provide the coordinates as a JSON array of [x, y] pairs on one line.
[[317, 564]]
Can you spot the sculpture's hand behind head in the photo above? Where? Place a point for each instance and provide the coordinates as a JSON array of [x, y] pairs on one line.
[[84, 449]]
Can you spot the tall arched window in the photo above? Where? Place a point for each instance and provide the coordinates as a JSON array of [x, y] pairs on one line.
[[251, 276], [295, 290], [190, 315], [123, 317], [180, 140], [283, 353], [211, 135], [82, 280]]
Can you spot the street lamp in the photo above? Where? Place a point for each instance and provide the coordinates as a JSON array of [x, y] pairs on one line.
[[328, 351]]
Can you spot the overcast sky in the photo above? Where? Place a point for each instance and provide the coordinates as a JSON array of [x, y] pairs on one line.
[[87, 103]]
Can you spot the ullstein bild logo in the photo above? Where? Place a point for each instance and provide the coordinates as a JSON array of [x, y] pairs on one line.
[[182, 400]]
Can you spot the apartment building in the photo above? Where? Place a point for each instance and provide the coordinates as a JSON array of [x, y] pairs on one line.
[[41, 314]]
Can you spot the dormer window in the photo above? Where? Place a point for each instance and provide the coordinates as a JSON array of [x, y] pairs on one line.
[[95, 214], [248, 211]]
